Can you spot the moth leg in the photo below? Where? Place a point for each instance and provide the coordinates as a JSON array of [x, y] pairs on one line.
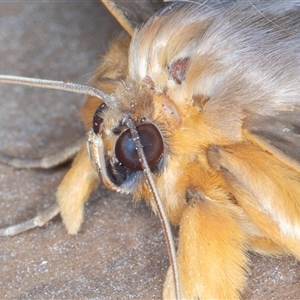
[[265, 188], [211, 253], [64, 193], [75, 190], [265, 246], [72, 193], [48, 162], [38, 221]]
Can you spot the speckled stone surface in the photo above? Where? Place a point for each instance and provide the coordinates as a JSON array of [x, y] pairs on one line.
[[120, 252]]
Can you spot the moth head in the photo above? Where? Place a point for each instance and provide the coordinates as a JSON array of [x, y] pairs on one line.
[[111, 146]]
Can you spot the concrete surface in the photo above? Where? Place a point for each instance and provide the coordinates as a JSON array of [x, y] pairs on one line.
[[120, 251]]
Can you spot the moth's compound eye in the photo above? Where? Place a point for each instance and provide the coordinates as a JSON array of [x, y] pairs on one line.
[[97, 119], [151, 141]]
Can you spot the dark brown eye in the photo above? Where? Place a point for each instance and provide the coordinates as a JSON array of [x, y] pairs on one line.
[[151, 140], [97, 120]]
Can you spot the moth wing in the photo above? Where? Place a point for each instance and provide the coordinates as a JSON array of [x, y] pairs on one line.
[[267, 192], [266, 186], [131, 14], [278, 134]]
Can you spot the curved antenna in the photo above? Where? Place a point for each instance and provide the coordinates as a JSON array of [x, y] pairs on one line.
[[57, 85], [53, 210], [160, 208]]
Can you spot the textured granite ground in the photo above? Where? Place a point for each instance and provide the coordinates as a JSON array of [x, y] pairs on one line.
[[120, 251]]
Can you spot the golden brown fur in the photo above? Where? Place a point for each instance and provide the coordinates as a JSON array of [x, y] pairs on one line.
[[198, 73]]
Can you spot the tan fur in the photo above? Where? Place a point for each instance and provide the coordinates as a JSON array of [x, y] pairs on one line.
[[200, 245], [75, 190], [195, 75], [112, 70], [82, 179]]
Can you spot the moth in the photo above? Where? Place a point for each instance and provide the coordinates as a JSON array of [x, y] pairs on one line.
[[212, 88]]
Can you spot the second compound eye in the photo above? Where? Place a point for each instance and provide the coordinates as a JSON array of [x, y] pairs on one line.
[[97, 119], [151, 141]]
